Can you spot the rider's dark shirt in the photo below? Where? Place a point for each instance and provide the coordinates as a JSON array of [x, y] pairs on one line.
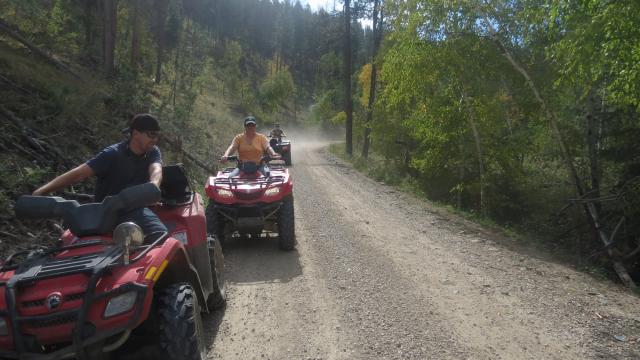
[[117, 168]]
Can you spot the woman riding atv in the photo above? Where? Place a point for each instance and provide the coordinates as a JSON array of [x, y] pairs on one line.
[[250, 146]]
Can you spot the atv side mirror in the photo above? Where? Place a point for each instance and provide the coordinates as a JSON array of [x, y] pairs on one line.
[[139, 196], [128, 235]]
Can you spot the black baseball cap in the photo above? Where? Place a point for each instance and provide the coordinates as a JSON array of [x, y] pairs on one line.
[[143, 122], [250, 120]]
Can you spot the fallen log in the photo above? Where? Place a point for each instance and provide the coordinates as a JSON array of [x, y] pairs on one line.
[[36, 143], [13, 32]]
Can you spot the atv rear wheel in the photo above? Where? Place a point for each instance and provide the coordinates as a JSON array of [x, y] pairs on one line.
[[218, 298], [287, 158], [286, 225], [180, 323], [215, 223]]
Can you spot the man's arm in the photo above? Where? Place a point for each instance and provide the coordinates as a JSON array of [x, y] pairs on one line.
[[272, 153], [155, 174], [230, 150], [69, 178]]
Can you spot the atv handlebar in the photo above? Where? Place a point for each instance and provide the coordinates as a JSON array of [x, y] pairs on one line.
[[263, 159]]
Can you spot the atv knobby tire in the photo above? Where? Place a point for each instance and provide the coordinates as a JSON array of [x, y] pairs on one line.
[[181, 332], [287, 158], [286, 225], [215, 223], [218, 298]]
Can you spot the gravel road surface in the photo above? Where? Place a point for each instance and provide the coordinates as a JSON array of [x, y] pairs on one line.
[[378, 274]]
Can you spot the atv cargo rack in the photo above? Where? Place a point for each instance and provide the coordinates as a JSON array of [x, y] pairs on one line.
[[262, 182]]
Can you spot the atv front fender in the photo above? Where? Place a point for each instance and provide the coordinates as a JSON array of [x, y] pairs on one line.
[[170, 264]]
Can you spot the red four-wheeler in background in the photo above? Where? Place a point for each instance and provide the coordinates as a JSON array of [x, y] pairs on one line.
[[104, 285], [282, 147], [247, 201]]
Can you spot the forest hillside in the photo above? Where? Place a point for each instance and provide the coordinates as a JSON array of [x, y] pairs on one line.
[[521, 113], [73, 74]]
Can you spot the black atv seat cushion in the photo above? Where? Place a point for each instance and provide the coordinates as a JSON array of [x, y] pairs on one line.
[[249, 167], [175, 186]]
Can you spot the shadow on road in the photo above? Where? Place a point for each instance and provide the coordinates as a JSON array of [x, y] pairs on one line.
[[211, 324], [252, 260]]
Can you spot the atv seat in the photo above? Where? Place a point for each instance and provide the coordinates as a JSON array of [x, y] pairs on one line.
[[175, 186]]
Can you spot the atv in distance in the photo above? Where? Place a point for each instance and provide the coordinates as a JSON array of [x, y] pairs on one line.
[[248, 201], [282, 147], [107, 285]]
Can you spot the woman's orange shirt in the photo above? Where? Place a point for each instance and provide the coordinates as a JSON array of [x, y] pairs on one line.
[[251, 151]]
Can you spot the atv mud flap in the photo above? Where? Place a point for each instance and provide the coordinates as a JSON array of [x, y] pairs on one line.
[[249, 219]]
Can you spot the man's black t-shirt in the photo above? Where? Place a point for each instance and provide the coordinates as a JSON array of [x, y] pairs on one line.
[[117, 168]]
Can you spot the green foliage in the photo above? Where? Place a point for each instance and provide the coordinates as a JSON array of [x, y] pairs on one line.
[[598, 46], [276, 90], [459, 118]]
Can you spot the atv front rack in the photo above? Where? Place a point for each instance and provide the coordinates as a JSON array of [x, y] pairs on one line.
[[261, 182], [84, 333]]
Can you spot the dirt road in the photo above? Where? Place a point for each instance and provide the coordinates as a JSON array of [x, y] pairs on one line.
[[379, 275]]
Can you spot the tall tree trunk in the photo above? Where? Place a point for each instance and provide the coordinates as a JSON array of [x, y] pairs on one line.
[[135, 35], [89, 32], [377, 36], [460, 174], [592, 214], [109, 34], [348, 102], [594, 125], [176, 66], [508, 112], [478, 142], [161, 7]]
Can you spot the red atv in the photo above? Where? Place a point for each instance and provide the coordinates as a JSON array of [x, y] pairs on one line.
[[105, 285], [282, 147], [251, 199]]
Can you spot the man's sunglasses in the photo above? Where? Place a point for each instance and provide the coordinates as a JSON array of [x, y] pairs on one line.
[[250, 125], [152, 134]]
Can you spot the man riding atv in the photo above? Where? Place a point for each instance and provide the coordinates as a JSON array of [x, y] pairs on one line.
[[105, 289], [132, 162], [277, 133], [250, 146]]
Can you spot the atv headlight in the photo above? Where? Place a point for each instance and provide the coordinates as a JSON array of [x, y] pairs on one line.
[[225, 193], [4, 328], [272, 191], [120, 304], [128, 235]]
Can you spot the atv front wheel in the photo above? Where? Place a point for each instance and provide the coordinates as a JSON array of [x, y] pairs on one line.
[[218, 297], [286, 225], [180, 323], [215, 223]]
